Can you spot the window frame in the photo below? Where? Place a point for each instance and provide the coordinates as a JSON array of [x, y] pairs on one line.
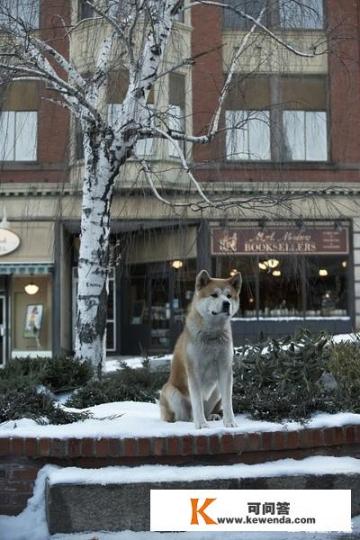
[[277, 110], [273, 20], [14, 150], [229, 141], [305, 135]]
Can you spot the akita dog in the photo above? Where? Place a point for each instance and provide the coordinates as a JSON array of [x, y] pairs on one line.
[[201, 379]]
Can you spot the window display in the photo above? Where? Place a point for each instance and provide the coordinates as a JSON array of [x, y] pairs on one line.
[[288, 271]]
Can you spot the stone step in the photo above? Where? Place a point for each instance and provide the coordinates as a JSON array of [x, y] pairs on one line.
[[118, 498]]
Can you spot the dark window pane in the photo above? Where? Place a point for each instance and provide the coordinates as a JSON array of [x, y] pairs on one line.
[[327, 286], [110, 306], [79, 140], [85, 10], [251, 7], [295, 14], [280, 287], [110, 344], [249, 93], [303, 93]]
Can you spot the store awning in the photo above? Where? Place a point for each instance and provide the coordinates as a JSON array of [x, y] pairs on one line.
[[25, 269]]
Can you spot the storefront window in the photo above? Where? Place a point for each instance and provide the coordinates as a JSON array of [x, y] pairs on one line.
[[280, 293], [159, 295], [310, 280], [327, 285], [31, 315]]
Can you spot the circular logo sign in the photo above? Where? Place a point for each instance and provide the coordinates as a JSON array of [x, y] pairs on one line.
[[9, 242]]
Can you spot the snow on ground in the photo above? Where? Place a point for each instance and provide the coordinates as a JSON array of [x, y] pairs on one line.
[[130, 535], [114, 363], [31, 523], [137, 419], [316, 465], [340, 338]]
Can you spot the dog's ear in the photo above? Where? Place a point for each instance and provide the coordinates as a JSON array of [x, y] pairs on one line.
[[236, 282], [202, 279]]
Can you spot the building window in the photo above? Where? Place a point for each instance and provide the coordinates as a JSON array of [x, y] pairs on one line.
[[275, 118], [233, 21], [303, 15], [176, 110], [287, 14], [305, 136], [26, 11], [85, 10], [248, 135], [79, 140], [311, 281], [117, 88], [18, 136], [143, 147]]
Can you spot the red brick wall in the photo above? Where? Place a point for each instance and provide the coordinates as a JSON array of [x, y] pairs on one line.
[[21, 458], [344, 80], [207, 75], [53, 120]]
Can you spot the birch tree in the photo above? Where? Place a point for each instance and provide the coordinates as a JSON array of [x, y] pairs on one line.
[[137, 34]]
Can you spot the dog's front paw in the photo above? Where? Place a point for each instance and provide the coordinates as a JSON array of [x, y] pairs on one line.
[[201, 425], [230, 423]]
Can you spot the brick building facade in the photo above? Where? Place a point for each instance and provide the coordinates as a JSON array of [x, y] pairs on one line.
[[288, 151]]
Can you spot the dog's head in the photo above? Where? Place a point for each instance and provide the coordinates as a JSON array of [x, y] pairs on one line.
[[217, 299]]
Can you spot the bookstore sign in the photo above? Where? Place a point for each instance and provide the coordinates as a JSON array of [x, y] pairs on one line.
[[280, 241]]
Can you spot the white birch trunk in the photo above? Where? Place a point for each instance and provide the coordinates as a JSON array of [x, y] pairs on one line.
[[94, 254]]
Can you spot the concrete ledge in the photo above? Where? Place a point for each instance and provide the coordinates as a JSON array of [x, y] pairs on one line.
[[115, 507]]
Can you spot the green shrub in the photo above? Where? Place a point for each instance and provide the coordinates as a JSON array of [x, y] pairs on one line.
[[23, 384], [33, 403], [344, 365], [127, 384], [280, 379], [59, 374]]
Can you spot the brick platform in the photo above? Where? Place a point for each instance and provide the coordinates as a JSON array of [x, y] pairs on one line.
[[21, 458]]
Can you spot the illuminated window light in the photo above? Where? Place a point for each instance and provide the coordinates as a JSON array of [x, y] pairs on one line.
[[273, 263]]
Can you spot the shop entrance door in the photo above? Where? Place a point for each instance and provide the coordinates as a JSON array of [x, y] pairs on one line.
[[159, 312], [2, 331]]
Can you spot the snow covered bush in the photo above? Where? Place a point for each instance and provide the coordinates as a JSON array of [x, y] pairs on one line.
[[345, 368], [281, 379], [59, 374], [26, 387], [127, 384], [36, 403]]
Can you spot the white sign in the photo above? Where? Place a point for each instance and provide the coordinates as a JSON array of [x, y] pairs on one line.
[[9, 242], [250, 510]]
